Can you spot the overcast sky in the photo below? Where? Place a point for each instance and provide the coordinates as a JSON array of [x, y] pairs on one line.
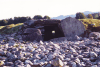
[[52, 8]]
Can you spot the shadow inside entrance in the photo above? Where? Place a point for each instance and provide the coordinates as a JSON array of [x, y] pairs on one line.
[[51, 32]]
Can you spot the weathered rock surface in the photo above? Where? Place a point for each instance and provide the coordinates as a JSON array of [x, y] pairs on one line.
[[32, 34], [41, 22], [46, 26], [72, 27], [83, 52], [1, 37], [55, 53], [68, 27], [29, 23], [96, 35]]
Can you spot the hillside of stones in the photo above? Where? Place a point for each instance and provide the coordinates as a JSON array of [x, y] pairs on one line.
[[71, 50]]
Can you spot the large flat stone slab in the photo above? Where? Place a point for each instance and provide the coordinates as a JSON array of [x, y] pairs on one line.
[[72, 27], [32, 34]]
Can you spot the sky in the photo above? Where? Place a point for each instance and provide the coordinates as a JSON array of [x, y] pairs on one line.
[[52, 8]]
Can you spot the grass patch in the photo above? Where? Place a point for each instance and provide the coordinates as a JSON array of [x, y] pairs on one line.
[[12, 28], [96, 22]]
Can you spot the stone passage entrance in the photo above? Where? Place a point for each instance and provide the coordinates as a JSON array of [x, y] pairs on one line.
[[51, 32], [49, 29]]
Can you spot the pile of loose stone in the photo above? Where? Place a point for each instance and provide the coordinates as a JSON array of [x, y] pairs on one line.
[[84, 52]]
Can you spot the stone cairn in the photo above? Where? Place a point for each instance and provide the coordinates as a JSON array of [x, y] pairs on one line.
[[69, 26], [83, 52], [34, 28]]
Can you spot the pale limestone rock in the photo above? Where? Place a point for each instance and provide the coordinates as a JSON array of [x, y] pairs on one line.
[[41, 42], [56, 46], [1, 63], [96, 35], [94, 66], [73, 64], [72, 27], [72, 50], [27, 65], [28, 62], [57, 62], [10, 38], [77, 60], [93, 54], [51, 56]]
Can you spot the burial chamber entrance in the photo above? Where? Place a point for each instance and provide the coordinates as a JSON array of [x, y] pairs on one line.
[[51, 32], [50, 29]]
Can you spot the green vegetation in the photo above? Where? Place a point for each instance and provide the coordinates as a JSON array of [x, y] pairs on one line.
[[16, 20], [80, 16], [96, 16], [46, 17], [15, 27], [40, 17], [96, 22], [8, 26], [8, 29], [37, 17], [90, 16]]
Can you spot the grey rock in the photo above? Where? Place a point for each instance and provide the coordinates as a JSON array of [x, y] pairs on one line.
[[9, 63], [94, 66], [82, 63], [51, 56], [13, 34], [36, 65], [93, 54], [37, 56], [80, 56], [19, 66], [67, 59], [27, 65], [72, 27], [1, 36], [72, 50], [77, 60], [2, 52], [2, 63], [78, 38], [18, 62], [28, 62], [20, 56], [32, 34], [60, 56], [73, 64], [29, 22], [13, 58], [3, 58], [9, 54], [48, 65], [57, 62], [71, 53], [10, 38], [86, 59], [93, 59], [28, 54], [96, 35], [88, 64]]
